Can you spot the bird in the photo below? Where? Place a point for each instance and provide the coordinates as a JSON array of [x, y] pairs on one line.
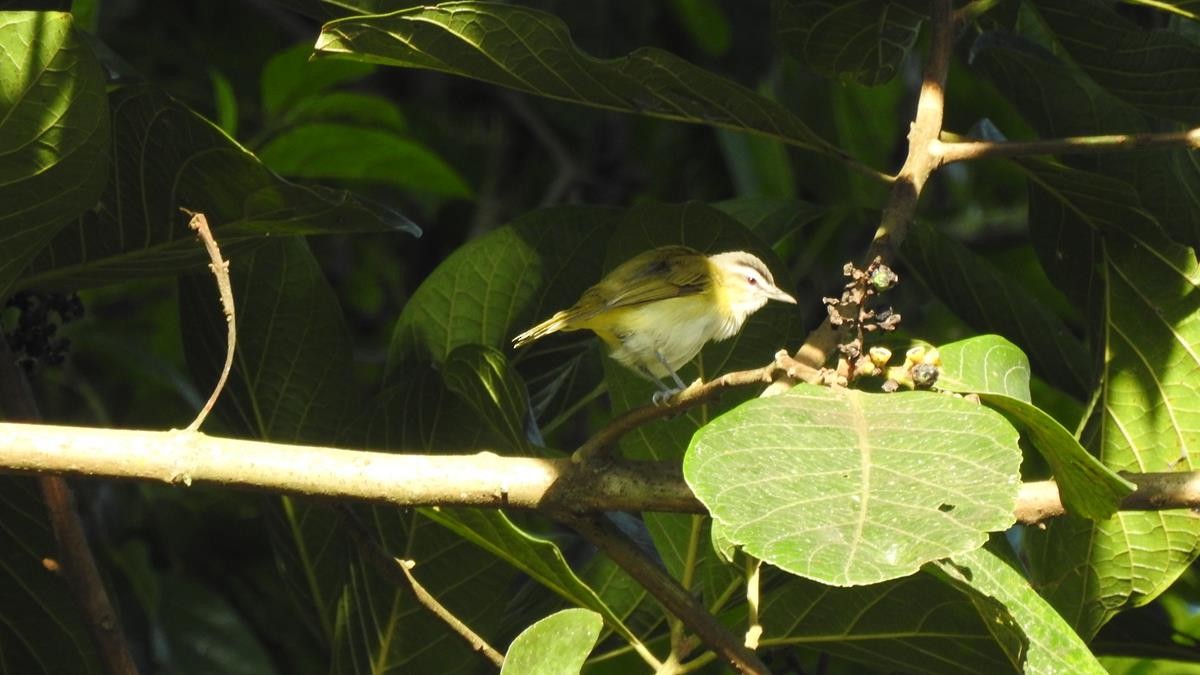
[[658, 309]]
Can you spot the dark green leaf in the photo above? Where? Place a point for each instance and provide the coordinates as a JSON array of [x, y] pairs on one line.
[[203, 633], [483, 378], [913, 625], [1058, 101], [1157, 71], [290, 77], [1148, 412], [166, 157], [363, 110], [54, 134], [851, 488], [559, 643], [542, 560], [990, 301], [489, 288], [995, 369], [323, 150], [1054, 647], [43, 632], [772, 220], [532, 51], [291, 375], [862, 40]]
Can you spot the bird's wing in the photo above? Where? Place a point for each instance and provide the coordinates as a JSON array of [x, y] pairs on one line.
[[668, 272]]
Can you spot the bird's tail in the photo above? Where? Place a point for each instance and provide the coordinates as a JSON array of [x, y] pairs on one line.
[[552, 325]]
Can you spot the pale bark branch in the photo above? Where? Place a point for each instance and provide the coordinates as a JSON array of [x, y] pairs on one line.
[[919, 164], [480, 480], [955, 149]]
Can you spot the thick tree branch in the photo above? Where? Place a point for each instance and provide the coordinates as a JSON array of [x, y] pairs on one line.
[[954, 149], [480, 480], [484, 479], [919, 164]]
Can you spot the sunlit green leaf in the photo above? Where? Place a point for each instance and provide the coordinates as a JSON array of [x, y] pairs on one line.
[[995, 369], [850, 488], [1147, 417], [483, 378], [340, 152], [1053, 646], [291, 76], [54, 134], [557, 644]]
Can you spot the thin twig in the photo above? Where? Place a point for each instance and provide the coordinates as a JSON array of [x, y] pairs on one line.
[[955, 149], [698, 393], [75, 558], [400, 571], [220, 270], [673, 597], [920, 163]]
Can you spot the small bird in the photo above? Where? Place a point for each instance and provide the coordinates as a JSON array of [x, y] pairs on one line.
[[656, 310]]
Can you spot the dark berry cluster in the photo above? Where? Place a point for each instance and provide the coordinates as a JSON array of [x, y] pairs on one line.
[[34, 338]]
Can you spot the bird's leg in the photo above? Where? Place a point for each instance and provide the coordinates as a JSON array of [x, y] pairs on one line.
[[665, 393], [663, 360]]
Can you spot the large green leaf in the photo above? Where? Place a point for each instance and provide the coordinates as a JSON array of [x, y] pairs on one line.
[[557, 644], [532, 51], [849, 488], [1053, 646], [913, 625], [1156, 70], [378, 622], [483, 378], [862, 40], [539, 558], [1147, 416], [41, 629], [54, 134], [381, 627], [289, 383], [995, 369], [329, 151], [290, 380], [166, 157], [991, 301], [485, 291], [291, 76], [1059, 101]]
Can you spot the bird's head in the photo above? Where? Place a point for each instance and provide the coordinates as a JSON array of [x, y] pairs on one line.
[[743, 284]]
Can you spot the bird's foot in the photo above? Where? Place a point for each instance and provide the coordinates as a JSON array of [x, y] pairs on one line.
[[663, 397]]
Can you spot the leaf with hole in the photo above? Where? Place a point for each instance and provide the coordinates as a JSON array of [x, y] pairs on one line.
[[850, 488]]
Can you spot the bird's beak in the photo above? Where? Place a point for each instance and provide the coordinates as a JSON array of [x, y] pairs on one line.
[[776, 294]]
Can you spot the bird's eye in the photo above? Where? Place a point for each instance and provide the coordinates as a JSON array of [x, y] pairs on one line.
[[752, 281]]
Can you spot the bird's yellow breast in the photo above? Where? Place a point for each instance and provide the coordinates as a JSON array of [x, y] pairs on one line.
[[676, 328]]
